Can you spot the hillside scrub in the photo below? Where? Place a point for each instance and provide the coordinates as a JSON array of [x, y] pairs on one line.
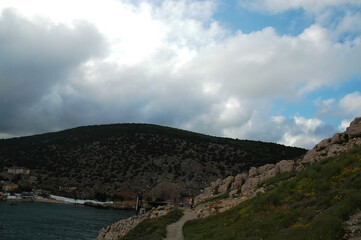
[[312, 204], [155, 228], [132, 158]]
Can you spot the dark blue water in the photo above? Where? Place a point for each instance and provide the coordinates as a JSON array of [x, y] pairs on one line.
[[50, 221]]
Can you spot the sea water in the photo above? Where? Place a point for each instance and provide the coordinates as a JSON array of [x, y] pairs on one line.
[[54, 221]]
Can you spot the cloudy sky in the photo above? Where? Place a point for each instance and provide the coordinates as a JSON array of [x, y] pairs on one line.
[[285, 71]]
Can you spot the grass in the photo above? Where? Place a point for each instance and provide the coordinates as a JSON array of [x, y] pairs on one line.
[[312, 204], [153, 229], [216, 198]]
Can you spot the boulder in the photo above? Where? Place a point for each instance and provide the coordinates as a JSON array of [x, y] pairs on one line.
[[265, 168], [336, 138], [216, 183], [323, 144], [311, 156], [354, 130], [233, 193], [250, 186], [239, 180], [285, 166], [269, 173], [208, 190], [225, 184], [252, 172], [334, 150]]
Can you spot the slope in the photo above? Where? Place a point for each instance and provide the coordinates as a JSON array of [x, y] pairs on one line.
[[116, 161], [311, 204]]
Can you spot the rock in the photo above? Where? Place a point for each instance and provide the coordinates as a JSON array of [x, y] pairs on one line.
[[122, 227], [269, 173], [250, 186], [225, 184], [252, 172], [233, 193], [323, 144], [299, 166], [208, 190], [216, 183], [285, 166], [336, 138], [264, 168], [354, 130], [311, 156], [334, 149], [239, 180]]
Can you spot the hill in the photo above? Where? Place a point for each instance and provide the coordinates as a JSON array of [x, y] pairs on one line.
[[311, 204], [315, 197], [116, 161]]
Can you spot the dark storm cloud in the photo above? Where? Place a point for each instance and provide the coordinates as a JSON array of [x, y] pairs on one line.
[[35, 56]]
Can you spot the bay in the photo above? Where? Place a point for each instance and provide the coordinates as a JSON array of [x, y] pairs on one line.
[[54, 221]]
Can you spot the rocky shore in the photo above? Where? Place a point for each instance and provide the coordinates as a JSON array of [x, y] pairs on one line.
[[119, 229]]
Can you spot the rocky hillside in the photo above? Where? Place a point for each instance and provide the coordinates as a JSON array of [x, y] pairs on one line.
[[316, 196], [233, 190], [116, 161]]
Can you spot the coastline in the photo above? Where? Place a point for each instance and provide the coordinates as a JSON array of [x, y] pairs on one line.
[[126, 205], [46, 200]]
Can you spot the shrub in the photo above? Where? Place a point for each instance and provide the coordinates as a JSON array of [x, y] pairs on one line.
[[310, 205], [153, 229]]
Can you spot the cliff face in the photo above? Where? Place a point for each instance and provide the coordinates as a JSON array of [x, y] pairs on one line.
[[117, 161]]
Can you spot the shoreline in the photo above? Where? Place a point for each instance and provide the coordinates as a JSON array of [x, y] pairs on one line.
[[90, 203], [45, 200]]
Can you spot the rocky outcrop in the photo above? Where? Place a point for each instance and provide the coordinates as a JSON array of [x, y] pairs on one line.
[[239, 180], [246, 185], [353, 227], [119, 229], [285, 166], [339, 142], [225, 184], [354, 130]]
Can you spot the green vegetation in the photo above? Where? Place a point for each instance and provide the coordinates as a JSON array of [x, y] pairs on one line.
[[131, 158], [216, 198], [153, 229], [312, 204]]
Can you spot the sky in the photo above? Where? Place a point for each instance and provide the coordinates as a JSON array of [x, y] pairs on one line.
[[284, 71]]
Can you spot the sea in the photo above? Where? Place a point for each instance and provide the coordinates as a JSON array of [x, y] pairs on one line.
[[54, 221]]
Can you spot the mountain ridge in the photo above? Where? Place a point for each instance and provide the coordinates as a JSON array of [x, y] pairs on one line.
[[119, 160]]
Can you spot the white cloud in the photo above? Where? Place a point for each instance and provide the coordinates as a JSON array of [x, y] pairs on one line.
[[308, 125], [278, 119], [351, 104], [297, 131], [173, 64], [344, 124], [348, 106], [304, 132], [263, 63], [276, 6]]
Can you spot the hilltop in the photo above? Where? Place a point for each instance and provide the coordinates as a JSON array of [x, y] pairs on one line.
[[116, 161]]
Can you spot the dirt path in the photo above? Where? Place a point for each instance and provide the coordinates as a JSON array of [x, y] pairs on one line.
[[174, 230]]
